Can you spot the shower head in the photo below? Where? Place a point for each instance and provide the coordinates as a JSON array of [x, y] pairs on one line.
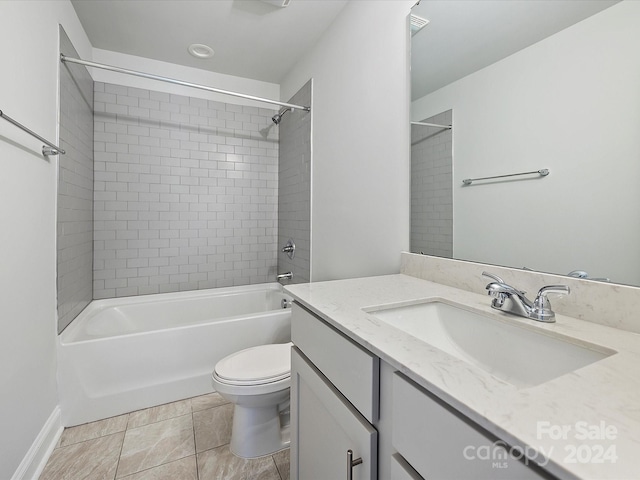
[[277, 118]]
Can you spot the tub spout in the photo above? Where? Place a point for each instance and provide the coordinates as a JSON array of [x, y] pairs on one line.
[[284, 276]]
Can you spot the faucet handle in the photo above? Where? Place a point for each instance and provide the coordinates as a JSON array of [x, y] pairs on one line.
[[557, 289], [578, 274], [542, 306], [499, 280], [493, 277]]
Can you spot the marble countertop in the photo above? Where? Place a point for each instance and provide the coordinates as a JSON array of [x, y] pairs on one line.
[[586, 423]]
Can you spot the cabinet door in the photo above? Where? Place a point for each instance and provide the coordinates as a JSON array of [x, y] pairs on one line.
[[324, 426]]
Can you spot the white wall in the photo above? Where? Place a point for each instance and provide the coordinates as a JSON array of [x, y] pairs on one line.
[[180, 72], [568, 103], [360, 140], [29, 92]]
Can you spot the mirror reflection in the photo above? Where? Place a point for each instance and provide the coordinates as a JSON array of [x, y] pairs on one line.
[[529, 86]]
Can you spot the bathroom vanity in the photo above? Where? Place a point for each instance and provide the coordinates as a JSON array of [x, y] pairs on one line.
[[495, 397]]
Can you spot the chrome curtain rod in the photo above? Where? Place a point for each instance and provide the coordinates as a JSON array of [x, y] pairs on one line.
[[542, 172], [111, 68], [48, 149], [432, 125]]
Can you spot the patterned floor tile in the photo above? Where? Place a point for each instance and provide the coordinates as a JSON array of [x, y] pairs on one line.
[[282, 462], [183, 469], [205, 402], [159, 413], [156, 444], [95, 459], [92, 430], [221, 464], [213, 427]]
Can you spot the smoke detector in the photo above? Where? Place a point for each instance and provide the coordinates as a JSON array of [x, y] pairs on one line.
[[278, 3], [417, 24]]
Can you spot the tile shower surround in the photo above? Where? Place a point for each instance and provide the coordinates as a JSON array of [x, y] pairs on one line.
[[75, 189], [294, 188], [184, 440], [432, 187], [186, 193]]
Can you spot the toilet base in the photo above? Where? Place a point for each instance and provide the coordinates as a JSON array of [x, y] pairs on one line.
[[259, 431]]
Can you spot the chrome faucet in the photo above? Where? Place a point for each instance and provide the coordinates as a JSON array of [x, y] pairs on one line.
[[284, 276], [510, 300], [585, 275]]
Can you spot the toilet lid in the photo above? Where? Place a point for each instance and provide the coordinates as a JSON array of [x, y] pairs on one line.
[[261, 364]]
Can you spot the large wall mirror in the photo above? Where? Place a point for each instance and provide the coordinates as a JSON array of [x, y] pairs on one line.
[[528, 86]]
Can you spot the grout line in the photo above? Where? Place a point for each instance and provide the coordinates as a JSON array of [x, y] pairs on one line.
[[128, 420], [161, 419], [155, 466], [277, 469], [165, 462], [59, 443], [195, 446], [115, 474]]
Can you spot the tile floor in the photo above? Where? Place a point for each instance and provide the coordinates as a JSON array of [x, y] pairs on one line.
[[185, 440]]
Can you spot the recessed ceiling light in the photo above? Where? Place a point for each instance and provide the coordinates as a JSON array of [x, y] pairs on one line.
[[200, 50]]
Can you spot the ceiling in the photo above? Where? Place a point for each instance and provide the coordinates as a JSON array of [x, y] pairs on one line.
[[254, 39], [251, 38], [464, 36]]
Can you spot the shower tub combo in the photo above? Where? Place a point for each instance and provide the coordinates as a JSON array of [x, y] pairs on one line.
[[125, 354]]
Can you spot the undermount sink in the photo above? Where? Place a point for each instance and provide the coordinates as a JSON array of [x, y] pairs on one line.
[[514, 354]]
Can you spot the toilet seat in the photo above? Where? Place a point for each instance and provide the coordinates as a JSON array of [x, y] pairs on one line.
[[259, 365]]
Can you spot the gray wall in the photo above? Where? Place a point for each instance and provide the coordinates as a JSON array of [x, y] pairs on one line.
[[294, 179], [432, 187], [186, 193], [75, 189]]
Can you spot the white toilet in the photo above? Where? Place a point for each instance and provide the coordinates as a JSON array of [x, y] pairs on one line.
[[257, 381]]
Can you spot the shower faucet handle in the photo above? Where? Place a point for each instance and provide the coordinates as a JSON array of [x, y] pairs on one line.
[[289, 249]]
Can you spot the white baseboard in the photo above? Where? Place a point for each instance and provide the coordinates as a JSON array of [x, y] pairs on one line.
[[36, 458]]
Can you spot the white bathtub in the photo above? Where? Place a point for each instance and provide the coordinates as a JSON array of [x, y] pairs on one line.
[[124, 354]]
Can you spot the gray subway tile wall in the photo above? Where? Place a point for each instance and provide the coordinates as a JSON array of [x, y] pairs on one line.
[[294, 205], [75, 189], [432, 188], [186, 193]]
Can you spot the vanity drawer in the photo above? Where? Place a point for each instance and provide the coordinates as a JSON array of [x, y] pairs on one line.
[[439, 442], [354, 371]]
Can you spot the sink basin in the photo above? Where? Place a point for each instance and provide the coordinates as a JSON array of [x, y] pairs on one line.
[[514, 354]]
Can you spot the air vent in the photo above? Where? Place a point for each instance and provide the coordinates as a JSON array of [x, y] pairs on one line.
[[417, 24]]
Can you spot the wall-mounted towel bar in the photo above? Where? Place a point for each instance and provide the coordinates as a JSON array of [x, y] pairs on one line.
[[542, 172], [48, 149], [424, 124]]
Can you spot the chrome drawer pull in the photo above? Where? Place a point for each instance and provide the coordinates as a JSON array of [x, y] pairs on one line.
[[352, 463]]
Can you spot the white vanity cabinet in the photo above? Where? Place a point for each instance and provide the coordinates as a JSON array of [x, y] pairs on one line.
[[344, 398], [330, 377]]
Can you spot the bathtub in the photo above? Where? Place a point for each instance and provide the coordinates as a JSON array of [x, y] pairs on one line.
[[124, 354]]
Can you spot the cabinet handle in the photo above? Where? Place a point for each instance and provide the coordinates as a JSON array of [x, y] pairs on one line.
[[352, 463]]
